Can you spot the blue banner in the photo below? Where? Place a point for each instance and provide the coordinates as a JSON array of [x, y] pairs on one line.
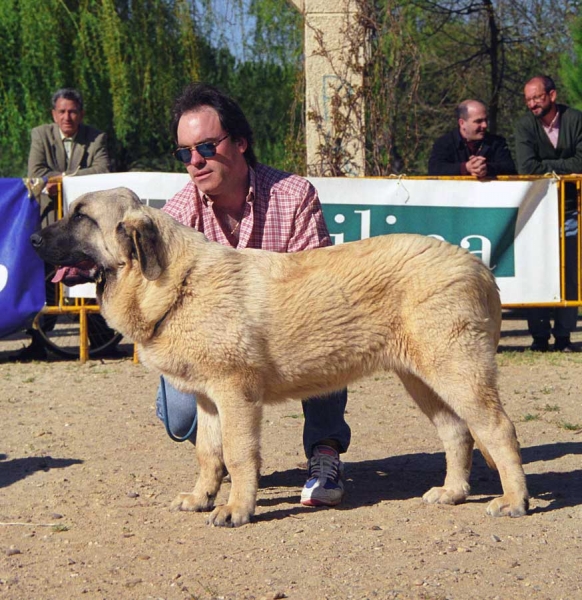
[[22, 289]]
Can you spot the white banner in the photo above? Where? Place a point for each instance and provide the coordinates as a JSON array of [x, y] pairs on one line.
[[511, 225]]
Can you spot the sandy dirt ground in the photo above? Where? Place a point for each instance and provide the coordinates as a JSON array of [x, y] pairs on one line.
[[87, 475]]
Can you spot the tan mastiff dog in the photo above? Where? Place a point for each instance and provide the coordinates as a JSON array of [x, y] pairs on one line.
[[241, 329]]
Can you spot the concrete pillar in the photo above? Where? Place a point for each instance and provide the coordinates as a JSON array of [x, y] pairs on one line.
[[334, 46]]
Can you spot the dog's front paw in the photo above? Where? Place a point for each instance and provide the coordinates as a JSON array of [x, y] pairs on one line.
[[443, 495], [229, 516], [505, 506], [192, 502]]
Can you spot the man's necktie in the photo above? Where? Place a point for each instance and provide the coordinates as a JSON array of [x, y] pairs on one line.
[[68, 142]]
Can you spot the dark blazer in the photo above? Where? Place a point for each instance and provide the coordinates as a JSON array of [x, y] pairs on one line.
[[47, 157], [450, 150]]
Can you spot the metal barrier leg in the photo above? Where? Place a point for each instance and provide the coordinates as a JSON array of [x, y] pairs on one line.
[[84, 336]]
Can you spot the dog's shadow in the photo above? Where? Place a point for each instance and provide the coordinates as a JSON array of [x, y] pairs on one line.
[[410, 475], [15, 469]]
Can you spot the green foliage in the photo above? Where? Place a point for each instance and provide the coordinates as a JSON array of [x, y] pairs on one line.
[[571, 65], [425, 57], [268, 80], [33, 33], [278, 32], [392, 79], [130, 59]]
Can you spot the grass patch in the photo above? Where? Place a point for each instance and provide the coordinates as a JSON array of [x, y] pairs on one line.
[[530, 417], [527, 357], [515, 358], [570, 426]]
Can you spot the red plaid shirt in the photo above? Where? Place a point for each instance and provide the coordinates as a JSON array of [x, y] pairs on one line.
[[282, 213]]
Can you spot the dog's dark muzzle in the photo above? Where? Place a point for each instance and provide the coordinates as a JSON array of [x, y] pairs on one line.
[[73, 268]]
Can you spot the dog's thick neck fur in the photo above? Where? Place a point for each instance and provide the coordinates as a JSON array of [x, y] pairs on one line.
[[162, 295]]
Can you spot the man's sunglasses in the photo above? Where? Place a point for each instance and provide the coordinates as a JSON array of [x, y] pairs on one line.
[[206, 150]]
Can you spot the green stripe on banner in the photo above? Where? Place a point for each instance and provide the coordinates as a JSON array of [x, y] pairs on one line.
[[489, 233]]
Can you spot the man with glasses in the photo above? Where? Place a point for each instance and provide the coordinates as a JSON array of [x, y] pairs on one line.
[[549, 140], [238, 202]]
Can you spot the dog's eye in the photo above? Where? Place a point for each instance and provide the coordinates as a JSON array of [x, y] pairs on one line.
[[78, 216]]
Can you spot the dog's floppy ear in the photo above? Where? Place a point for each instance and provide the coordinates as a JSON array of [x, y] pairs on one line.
[[139, 235]]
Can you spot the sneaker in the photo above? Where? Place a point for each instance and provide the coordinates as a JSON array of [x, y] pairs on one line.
[[324, 485]]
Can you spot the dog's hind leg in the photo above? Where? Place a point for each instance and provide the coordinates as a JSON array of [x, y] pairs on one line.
[[210, 459], [496, 433], [456, 439], [471, 392]]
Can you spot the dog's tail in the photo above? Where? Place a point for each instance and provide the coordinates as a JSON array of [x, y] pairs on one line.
[[488, 458]]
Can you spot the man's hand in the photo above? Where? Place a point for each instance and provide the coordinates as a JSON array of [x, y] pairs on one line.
[[477, 166], [52, 187]]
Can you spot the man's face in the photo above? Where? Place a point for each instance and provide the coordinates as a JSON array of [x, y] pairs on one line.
[[67, 116], [474, 127], [217, 175], [538, 100]]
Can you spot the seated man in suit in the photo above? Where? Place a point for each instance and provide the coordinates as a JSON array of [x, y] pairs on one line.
[[470, 149], [66, 147]]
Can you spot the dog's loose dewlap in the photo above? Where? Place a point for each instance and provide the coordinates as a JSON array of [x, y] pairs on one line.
[[245, 328]]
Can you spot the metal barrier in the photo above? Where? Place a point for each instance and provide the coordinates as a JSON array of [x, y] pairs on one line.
[[77, 309], [82, 307], [561, 181]]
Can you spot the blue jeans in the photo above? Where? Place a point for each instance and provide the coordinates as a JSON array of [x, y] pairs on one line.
[[324, 417]]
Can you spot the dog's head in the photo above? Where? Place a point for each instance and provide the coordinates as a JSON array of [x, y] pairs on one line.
[[101, 234]]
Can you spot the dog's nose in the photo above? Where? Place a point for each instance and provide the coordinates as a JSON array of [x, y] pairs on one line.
[[36, 240]]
